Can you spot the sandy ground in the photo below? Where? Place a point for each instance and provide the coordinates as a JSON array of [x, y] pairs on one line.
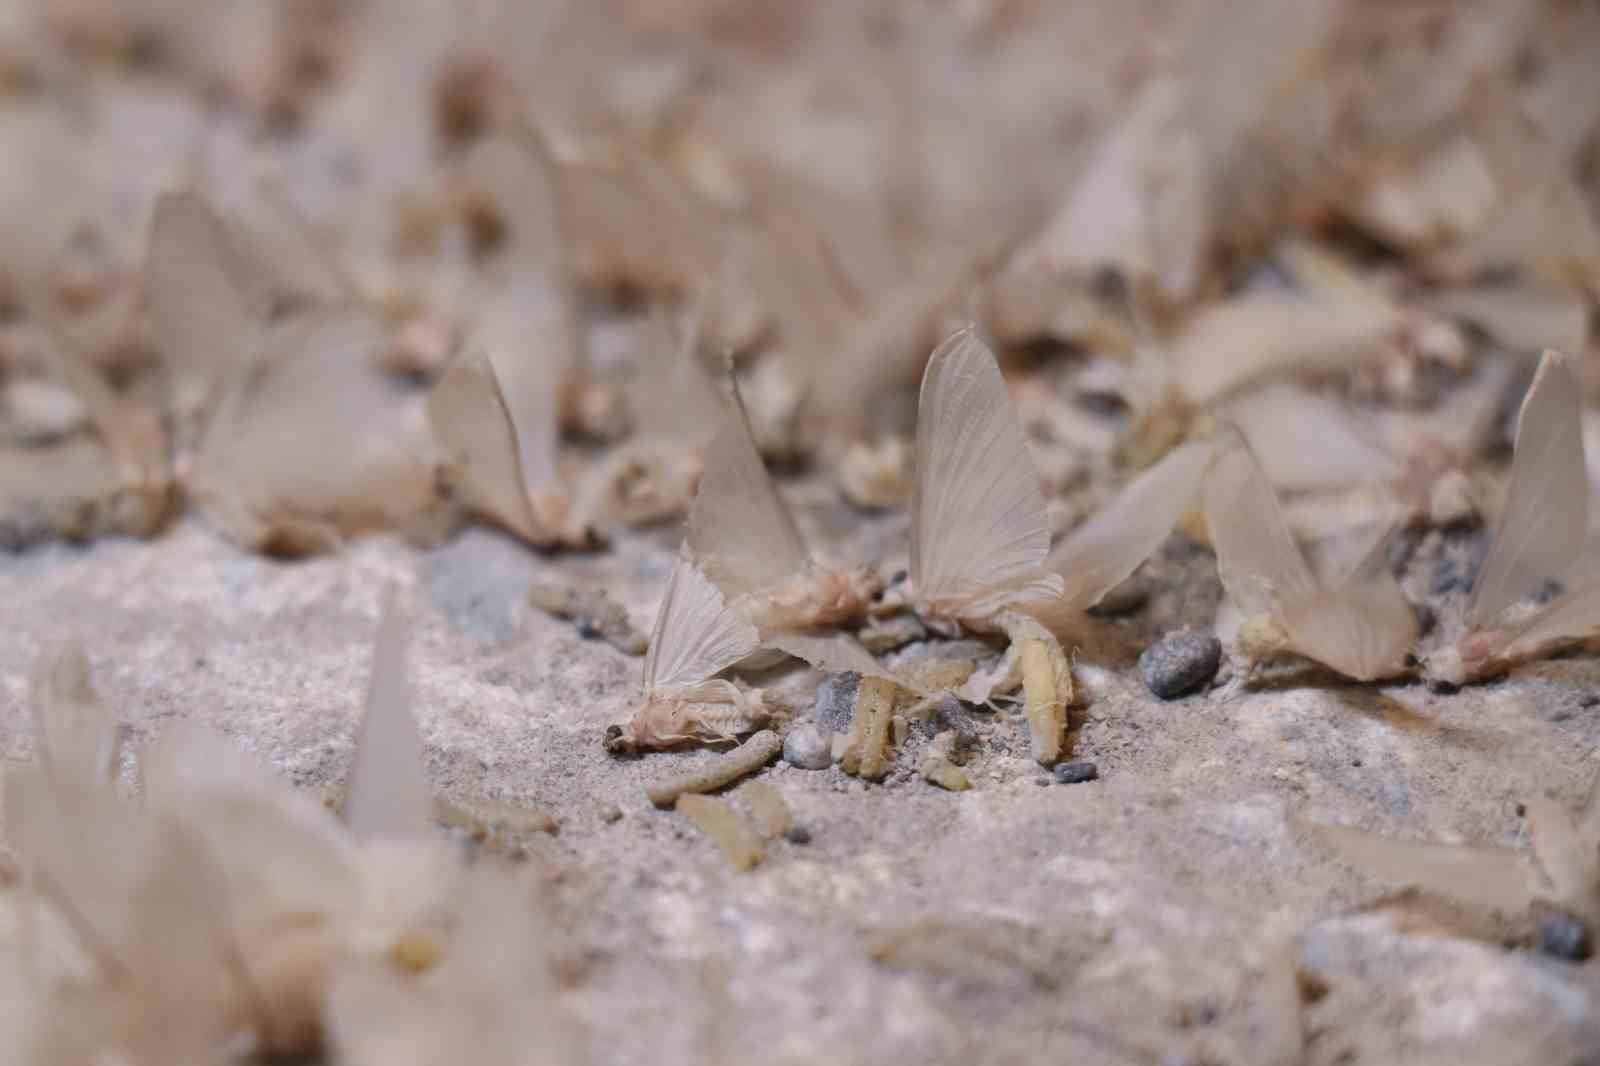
[[1134, 918]]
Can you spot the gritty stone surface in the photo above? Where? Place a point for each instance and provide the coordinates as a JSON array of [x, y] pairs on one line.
[[808, 747], [1006, 923], [1443, 999], [1180, 664]]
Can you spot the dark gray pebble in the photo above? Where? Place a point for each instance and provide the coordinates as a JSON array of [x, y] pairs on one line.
[[1564, 937], [1180, 664], [797, 834], [1076, 772], [835, 702]]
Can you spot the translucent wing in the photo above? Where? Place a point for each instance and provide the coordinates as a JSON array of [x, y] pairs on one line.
[[1547, 511], [1364, 629], [695, 635], [1492, 877], [279, 846], [467, 410], [672, 397], [78, 739], [833, 653], [1307, 441], [1572, 616], [202, 317], [1101, 553], [387, 792], [309, 442], [1257, 558], [978, 517], [740, 531], [526, 316]]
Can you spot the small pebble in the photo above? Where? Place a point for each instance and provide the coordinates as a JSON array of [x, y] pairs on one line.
[[808, 747], [835, 702], [612, 813], [1564, 937], [1076, 772], [1180, 664], [797, 834]]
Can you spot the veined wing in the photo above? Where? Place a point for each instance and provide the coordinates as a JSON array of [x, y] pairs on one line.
[[695, 635], [978, 517], [1541, 532], [468, 413], [740, 531], [1256, 556], [1101, 553]]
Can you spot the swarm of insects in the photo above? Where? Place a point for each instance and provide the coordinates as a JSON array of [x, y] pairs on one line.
[[221, 908]]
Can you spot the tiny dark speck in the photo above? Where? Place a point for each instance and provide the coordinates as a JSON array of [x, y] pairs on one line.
[[1355, 762], [586, 627], [1076, 772], [1443, 688], [1589, 699], [797, 834]]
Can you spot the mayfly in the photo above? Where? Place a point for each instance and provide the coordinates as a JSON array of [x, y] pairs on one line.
[[696, 637], [502, 459], [979, 532], [496, 411], [744, 539], [980, 537], [1540, 538], [304, 442], [675, 408], [1357, 622]]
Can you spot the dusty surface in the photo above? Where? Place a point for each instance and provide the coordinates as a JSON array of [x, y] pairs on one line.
[[1133, 918]]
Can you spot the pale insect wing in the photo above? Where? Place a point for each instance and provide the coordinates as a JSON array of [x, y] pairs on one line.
[[696, 635], [1257, 557], [740, 531], [1542, 530], [1498, 878], [78, 739], [526, 316], [199, 310], [1363, 631], [1307, 441], [833, 653], [1573, 616], [1364, 627], [1101, 553], [468, 414], [978, 515], [387, 792], [672, 396]]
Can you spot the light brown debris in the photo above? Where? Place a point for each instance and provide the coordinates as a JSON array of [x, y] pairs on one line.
[[725, 769]]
